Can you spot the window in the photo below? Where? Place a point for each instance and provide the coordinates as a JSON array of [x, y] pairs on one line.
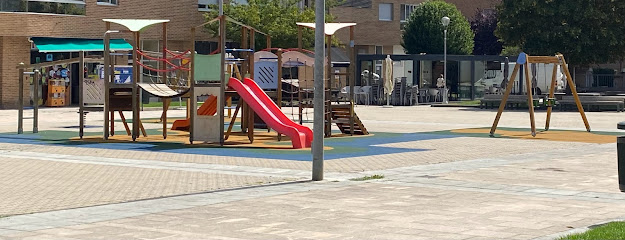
[[107, 2], [385, 11], [213, 5], [67, 7], [378, 64], [405, 10], [207, 5]]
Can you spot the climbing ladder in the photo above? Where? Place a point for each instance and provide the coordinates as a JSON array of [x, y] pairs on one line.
[[341, 116]]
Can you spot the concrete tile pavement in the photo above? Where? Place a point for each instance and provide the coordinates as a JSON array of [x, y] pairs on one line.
[[463, 189]]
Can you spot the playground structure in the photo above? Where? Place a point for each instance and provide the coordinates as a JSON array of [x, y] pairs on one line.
[[340, 113], [35, 72], [196, 76], [207, 77], [525, 60]]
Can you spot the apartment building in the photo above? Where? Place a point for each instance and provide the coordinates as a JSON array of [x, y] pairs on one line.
[[23, 19], [380, 22]]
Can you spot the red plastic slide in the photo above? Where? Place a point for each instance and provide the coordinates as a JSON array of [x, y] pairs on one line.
[[209, 107], [271, 105], [299, 139]]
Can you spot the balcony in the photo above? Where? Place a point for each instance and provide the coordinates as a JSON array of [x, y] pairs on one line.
[[64, 7]]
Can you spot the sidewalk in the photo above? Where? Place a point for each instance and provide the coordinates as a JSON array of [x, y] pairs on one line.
[[454, 187]]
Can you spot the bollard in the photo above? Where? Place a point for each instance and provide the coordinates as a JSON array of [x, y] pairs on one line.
[[620, 148]]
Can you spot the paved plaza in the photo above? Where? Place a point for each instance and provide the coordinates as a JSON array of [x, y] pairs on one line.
[[444, 178]]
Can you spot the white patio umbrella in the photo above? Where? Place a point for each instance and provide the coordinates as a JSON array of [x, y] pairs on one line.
[[388, 79]]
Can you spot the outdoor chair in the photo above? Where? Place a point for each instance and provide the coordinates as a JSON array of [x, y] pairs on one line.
[[414, 95], [434, 93], [364, 92]]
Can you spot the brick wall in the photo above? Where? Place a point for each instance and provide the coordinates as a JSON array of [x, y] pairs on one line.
[[17, 27], [182, 13], [13, 50], [371, 31]]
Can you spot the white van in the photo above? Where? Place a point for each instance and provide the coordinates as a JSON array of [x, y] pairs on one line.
[[493, 76]]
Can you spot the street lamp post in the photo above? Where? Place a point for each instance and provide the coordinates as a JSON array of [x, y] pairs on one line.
[[445, 21]]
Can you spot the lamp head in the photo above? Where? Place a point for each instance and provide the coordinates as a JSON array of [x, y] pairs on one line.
[[445, 21]]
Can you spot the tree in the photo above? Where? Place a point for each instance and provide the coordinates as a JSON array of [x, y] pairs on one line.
[[483, 25], [275, 17], [585, 31], [424, 32]]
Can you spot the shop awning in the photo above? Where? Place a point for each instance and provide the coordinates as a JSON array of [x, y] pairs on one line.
[[48, 45]]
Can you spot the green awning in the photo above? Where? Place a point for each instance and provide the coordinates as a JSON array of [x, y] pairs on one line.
[[48, 45]]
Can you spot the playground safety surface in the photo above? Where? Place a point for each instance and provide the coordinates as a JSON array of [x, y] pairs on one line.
[[444, 178]]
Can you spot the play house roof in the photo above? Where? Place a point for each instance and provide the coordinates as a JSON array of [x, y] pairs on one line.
[[330, 28]]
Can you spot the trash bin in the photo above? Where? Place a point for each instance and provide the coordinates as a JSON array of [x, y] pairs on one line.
[[620, 148]]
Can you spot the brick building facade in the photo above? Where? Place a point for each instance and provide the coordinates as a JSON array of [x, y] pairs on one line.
[[18, 27], [385, 31]]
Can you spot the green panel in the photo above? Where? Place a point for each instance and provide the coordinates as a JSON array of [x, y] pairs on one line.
[[207, 68], [77, 44]]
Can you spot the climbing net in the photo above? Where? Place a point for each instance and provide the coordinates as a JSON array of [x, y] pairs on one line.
[[174, 74]]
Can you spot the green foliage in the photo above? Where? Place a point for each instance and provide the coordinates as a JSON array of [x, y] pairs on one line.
[[585, 31], [483, 25], [366, 178], [424, 32], [610, 231], [511, 51], [274, 17]]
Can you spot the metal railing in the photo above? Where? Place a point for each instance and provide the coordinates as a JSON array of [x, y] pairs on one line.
[[603, 80]]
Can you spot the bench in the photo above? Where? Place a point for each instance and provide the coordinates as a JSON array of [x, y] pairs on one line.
[[494, 100], [588, 102]]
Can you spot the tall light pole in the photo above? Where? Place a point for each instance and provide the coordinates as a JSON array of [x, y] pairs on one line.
[[445, 21], [319, 95]]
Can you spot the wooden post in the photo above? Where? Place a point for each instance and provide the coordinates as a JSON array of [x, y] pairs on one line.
[[112, 119], [351, 82], [250, 55], [328, 87], [502, 105], [20, 99], [530, 100], [250, 60], [135, 91], [222, 76], [279, 87], [244, 45], [36, 83], [107, 78], [191, 102], [569, 79], [164, 67], [243, 70], [268, 42], [551, 95], [81, 102]]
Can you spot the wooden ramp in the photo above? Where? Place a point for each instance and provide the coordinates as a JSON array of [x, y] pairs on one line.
[[341, 116]]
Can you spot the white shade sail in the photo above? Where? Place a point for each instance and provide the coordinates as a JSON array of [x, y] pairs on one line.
[[330, 28], [136, 25]]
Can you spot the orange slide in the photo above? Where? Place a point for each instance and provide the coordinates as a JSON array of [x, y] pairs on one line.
[[209, 107]]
